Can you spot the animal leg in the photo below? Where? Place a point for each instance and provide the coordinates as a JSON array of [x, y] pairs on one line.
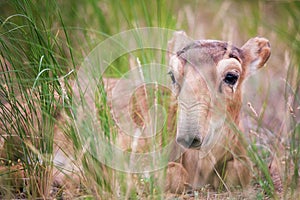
[[238, 172], [177, 177]]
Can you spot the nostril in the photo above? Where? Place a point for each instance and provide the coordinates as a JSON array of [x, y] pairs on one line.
[[186, 141], [196, 142]]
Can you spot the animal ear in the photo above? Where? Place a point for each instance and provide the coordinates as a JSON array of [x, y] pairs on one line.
[[178, 42], [256, 52]]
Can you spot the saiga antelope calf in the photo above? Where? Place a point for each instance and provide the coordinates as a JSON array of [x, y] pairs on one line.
[[207, 78]]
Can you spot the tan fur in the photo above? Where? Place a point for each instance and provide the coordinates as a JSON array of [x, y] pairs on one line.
[[203, 67], [194, 170], [177, 181]]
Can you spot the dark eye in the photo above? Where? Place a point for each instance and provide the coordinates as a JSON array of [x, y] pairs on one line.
[[233, 56], [231, 78], [172, 77]]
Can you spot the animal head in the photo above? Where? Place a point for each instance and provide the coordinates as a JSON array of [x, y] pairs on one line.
[[207, 78]]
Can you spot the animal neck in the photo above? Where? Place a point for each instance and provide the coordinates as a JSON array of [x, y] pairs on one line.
[[222, 137], [233, 111]]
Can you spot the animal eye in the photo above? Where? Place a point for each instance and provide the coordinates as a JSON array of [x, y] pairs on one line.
[[231, 78], [233, 56], [172, 77]]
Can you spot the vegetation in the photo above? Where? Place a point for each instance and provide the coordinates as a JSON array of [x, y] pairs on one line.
[[43, 44]]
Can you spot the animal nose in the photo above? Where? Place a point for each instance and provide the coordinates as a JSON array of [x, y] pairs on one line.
[[189, 141]]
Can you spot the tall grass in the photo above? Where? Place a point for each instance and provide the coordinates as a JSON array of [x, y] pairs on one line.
[[32, 61], [41, 43], [288, 33]]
